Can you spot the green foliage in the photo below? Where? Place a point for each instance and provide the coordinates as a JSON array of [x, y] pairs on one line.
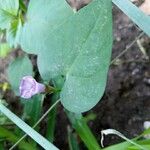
[[141, 143], [76, 45], [128, 146], [13, 32], [73, 45], [120, 146], [11, 20], [22, 6], [19, 68], [32, 111], [11, 137], [72, 139], [27, 129], [81, 127], [52, 120], [33, 108], [4, 50], [8, 11]]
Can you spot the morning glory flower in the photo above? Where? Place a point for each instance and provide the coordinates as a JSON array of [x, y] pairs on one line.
[[29, 87]]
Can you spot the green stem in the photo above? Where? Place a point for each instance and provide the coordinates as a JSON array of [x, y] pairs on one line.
[[52, 120], [80, 125], [85, 133]]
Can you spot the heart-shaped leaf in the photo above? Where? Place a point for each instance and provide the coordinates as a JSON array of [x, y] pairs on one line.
[[75, 45]]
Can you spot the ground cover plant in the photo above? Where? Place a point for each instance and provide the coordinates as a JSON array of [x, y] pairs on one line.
[[64, 58]]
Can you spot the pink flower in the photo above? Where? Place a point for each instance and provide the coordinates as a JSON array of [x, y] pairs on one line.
[[29, 87]]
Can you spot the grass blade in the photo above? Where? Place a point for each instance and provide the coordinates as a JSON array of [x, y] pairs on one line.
[[52, 120], [37, 123], [27, 129], [133, 12], [33, 108], [81, 127], [115, 132]]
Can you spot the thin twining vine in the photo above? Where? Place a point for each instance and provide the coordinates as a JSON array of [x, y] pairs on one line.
[[43, 116], [127, 48]]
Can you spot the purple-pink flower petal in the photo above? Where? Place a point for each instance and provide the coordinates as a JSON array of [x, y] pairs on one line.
[[29, 87]]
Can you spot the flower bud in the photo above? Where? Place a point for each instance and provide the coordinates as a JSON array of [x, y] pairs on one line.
[[29, 87]]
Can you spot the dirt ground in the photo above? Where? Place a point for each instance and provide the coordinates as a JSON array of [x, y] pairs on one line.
[[126, 102]]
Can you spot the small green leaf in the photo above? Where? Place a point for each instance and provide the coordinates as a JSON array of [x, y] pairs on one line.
[[13, 32], [4, 49], [19, 68], [8, 11]]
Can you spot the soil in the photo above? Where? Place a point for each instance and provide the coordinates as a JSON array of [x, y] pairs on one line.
[[125, 105]]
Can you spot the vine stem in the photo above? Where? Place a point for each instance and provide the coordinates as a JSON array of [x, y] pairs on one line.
[[44, 115], [127, 48]]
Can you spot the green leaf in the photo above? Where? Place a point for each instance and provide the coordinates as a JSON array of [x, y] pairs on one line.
[[19, 68], [115, 132], [27, 129], [75, 45], [1, 146], [13, 32], [144, 142], [8, 11], [51, 124], [4, 49], [22, 6], [11, 137], [120, 146], [128, 146], [33, 108], [138, 17], [81, 127]]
